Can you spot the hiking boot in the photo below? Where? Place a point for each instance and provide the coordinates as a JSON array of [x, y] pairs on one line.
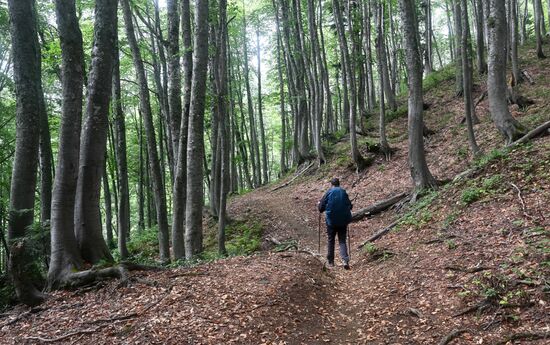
[[346, 266], [330, 264]]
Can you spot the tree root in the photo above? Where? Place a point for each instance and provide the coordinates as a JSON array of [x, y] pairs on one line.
[[540, 131], [451, 336], [525, 336], [68, 335]]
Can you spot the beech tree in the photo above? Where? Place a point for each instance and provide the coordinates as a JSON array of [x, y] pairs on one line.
[[509, 127]]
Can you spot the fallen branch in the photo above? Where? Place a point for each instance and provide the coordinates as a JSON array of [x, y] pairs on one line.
[[378, 207], [528, 77], [379, 234], [473, 308], [523, 207], [525, 336], [294, 178], [22, 315], [474, 269], [451, 336], [540, 131], [68, 335]]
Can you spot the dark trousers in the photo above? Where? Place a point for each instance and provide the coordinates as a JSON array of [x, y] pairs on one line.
[[331, 236]]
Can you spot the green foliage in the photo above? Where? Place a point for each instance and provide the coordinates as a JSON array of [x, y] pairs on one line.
[[143, 246], [433, 80], [370, 248], [476, 192], [400, 112], [494, 155], [243, 238], [419, 214], [7, 292]]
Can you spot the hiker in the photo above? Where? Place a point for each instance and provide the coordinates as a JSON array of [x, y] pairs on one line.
[[338, 207]]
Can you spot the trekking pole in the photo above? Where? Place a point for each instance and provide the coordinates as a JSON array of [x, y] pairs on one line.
[[349, 244], [319, 236]]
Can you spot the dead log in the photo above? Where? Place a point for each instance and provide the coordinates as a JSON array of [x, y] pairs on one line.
[[540, 131], [451, 336], [294, 178], [378, 207], [379, 234]]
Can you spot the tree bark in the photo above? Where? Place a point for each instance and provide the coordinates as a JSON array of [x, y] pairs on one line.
[[537, 6], [87, 216], [420, 173], [26, 73], [457, 15], [514, 43], [65, 256], [123, 214], [45, 149], [509, 127], [265, 171], [145, 106], [467, 77], [381, 56], [195, 147], [480, 42]]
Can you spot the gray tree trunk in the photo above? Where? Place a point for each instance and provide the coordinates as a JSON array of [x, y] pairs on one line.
[[195, 147], [457, 15], [480, 41], [509, 127], [145, 107], [421, 175], [65, 256], [174, 73], [381, 56], [514, 42], [538, 27], [265, 171], [26, 73], [87, 216], [467, 78], [123, 214]]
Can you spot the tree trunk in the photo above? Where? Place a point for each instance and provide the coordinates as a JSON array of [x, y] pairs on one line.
[[283, 167], [467, 77], [265, 171], [428, 54], [254, 145], [348, 65], [480, 42], [145, 106], [108, 207], [381, 56], [457, 15], [26, 73], [45, 149], [538, 27], [421, 175], [65, 256], [195, 147], [174, 73], [87, 216], [514, 43], [123, 214], [496, 81]]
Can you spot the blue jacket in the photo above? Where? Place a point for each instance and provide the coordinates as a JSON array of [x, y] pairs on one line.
[[338, 207]]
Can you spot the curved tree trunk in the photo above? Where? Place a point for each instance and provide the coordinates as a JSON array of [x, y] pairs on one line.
[[195, 147], [421, 175], [26, 72], [88, 227], [496, 83], [65, 256]]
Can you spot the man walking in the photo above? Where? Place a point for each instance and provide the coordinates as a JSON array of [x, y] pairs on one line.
[[338, 207]]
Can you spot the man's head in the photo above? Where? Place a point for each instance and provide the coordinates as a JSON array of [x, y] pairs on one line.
[[335, 182]]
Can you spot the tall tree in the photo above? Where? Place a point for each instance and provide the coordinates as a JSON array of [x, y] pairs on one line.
[[509, 127], [195, 147], [145, 108], [514, 42], [265, 171], [539, 15], [457, 15], [383, 76], [466, 52], [26, 72], [174, 73], [123, 214], [480, 41], [65, 256], [421, 175], [87, 216]]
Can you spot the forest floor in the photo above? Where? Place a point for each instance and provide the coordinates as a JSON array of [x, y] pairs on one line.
[[471, 257]]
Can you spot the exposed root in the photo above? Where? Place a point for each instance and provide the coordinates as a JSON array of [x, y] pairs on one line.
[[451, 336], [525, 336]]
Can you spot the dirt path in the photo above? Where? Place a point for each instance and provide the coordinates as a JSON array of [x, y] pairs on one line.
[[290, 217]]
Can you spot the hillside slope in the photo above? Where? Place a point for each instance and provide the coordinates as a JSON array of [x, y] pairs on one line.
[[472, 256]]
